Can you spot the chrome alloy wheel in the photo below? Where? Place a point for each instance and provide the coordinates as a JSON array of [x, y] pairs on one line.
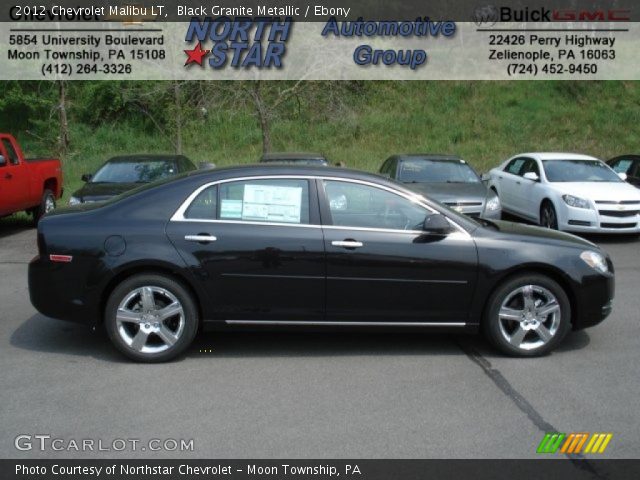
[[529, 317], [49, 204], [150, 319], [549, 219]]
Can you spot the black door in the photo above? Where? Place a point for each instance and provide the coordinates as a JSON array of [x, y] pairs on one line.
[[257, 246], [382, 268]]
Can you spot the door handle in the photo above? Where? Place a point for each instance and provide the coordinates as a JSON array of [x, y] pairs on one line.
[[8, 176], [517, 182], [200, 238], [347, 243]]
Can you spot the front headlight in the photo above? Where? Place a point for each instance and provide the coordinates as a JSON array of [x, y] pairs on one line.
[[74, 201], [493, 204], [576, 202], [595, 260]]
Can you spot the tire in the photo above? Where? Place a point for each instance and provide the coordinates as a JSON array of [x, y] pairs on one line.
[[151, 318], [548, 215], [528, 315], [47, 203]]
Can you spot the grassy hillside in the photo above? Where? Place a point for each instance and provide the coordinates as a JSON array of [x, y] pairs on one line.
[[484, 122]]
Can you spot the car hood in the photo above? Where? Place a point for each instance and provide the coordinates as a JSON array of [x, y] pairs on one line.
[[451, 192], [612, 191], [97, 192], [533, 232]]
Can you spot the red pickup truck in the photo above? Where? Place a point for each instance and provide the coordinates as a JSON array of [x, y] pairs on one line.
[[30, 185]]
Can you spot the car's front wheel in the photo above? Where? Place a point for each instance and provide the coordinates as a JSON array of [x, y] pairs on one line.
[[151, 318], [528, 315], [548, 216]]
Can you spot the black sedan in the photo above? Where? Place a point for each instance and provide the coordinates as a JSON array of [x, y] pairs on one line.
[[120, 174], [447, 179], [265, 246], [629, 165]]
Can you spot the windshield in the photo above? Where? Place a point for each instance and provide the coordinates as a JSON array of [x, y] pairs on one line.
[[134, 172], [422, 170], [578, 171]]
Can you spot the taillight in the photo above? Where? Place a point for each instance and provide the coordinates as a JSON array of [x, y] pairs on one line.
[[60, 258]]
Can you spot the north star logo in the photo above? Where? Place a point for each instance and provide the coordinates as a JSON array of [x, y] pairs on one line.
[[196, 55], [243, 42]]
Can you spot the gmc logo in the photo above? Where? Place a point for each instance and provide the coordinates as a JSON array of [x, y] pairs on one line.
[[592, 15]]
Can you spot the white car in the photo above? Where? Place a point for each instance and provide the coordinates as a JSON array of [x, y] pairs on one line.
[[567, 191]]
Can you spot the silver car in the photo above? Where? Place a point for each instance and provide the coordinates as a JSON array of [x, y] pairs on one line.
[[446, 178]]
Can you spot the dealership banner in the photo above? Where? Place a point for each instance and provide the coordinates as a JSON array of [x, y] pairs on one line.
[[319, 469], [298, 40]]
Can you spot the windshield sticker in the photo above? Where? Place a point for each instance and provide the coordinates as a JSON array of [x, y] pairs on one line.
[[231, 209], [269, 203]]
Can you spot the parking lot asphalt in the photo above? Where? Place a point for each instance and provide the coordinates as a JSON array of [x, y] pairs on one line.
[[315, 395]]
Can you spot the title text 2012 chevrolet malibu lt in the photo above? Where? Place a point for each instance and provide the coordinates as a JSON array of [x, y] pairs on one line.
[[308, 246]]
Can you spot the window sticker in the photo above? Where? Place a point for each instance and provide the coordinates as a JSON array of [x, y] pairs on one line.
[[231, 209], [270, 203]]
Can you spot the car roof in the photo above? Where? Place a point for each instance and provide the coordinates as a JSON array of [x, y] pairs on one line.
[[557, 156], [628, 157], [141, 158], [268, 169], [428, 156], [292, 156]]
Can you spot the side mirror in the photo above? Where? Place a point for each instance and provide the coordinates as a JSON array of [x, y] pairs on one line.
[[87, 177], [533, 176], [623, 176], [436, 223], [3, 161]]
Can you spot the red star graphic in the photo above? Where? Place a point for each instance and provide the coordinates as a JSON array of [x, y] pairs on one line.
[[196, 55]]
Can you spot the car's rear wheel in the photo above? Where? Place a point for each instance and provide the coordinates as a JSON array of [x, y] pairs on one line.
[[151, 318], [528, 315], [548, 216], [47, 204]]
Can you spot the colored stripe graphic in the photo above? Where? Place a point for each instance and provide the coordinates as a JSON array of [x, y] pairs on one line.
[[574, 443], [550, 443], [598, 443]]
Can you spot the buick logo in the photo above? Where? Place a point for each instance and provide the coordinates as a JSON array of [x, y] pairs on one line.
[[486, 16]]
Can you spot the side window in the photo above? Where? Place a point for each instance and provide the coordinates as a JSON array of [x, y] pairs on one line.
[[276, 200], [184, 165], [364, 206], [514, 166], [13, 156], [530, 165], [387, 168], [622, 166], [204, 206]]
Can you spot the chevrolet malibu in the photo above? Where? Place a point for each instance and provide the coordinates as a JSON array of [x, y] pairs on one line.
[[567, 191], [297, 247]]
